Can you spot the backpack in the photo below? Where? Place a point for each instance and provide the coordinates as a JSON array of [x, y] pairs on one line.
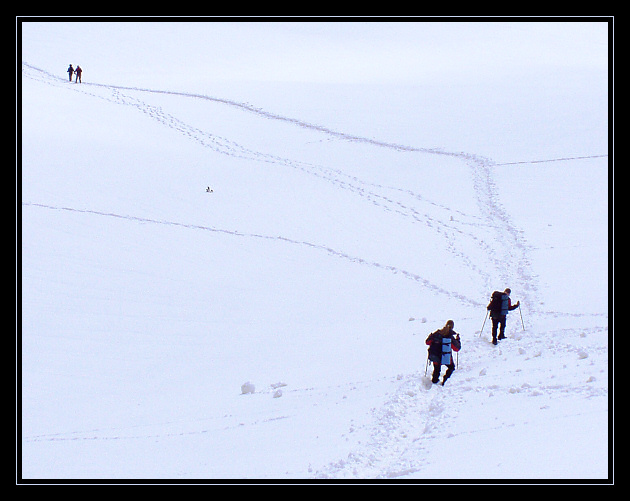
[[446, 351], [440, 350], [496, 304]]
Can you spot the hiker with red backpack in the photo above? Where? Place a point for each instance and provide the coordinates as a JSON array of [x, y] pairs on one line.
[[500, 305], [441, 344]]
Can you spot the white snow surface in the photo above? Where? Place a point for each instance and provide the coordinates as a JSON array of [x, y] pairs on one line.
[[369, 182]]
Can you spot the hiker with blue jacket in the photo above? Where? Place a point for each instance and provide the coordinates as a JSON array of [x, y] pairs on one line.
[[442, 343], [499, 306]]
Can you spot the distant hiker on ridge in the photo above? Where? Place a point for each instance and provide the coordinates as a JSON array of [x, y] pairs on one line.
[[441, 344], [70, 72], [78, 73], [499, 306]]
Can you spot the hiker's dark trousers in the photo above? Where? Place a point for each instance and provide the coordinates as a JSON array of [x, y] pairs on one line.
[[498, 322], [436, 371]]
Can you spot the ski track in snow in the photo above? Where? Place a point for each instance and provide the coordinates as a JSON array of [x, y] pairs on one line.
[[397, 435], [333, 252]]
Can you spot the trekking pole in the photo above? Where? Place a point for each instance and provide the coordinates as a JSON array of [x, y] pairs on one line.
[[519, 310], [484, 322], [426, 366]]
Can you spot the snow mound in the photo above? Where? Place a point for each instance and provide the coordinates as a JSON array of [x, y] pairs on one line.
[[247, 388]]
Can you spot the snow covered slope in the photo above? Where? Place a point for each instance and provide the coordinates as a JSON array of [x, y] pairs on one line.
[[274, 328]]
